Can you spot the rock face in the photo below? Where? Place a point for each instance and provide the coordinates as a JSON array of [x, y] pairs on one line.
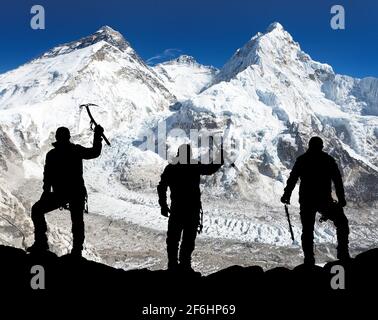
[[337, 284], [268, 100], [105, 33]]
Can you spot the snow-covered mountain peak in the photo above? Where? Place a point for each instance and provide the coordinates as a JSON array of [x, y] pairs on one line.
[[275, 26], [184, 76], [112, 37], [97, 68], [273, 50], [108, 30], [105, 33], [276, 35], [183, 59]]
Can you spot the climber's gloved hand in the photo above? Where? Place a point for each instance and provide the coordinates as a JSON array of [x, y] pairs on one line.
[[98, 131], [285, 199], [342, 203], [165, 211]]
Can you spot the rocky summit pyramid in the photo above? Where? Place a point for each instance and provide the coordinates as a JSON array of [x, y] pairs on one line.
[[270, 96]]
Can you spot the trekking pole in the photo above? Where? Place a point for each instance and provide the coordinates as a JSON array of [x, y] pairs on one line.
[[290, 226], [200, 225]]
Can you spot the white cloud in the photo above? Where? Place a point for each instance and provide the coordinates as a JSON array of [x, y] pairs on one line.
[[167, 54]]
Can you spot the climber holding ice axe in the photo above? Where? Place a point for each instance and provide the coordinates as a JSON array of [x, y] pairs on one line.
[[63, 186], [317, 170]]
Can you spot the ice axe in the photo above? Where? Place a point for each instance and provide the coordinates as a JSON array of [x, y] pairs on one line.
[[93, 121], [289, 221]]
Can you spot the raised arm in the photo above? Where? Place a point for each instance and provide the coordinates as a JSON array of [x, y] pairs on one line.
[[211, 168], [95, 151]]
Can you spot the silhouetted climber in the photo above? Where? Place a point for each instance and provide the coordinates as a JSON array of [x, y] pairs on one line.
[[317, 170], [183, 178], [63, 187]]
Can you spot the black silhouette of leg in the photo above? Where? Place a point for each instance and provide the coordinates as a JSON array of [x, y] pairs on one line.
[[175, 229], [342, 230], [46, 204], [188, 244], [78, 229], [308, 220]]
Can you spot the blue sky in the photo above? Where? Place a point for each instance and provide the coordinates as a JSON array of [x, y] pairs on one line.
[[210, 30]]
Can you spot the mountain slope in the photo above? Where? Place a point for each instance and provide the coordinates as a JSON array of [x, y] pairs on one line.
[[184, 76]]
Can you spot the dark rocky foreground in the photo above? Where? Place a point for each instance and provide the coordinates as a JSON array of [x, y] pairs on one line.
[[79, 285]]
